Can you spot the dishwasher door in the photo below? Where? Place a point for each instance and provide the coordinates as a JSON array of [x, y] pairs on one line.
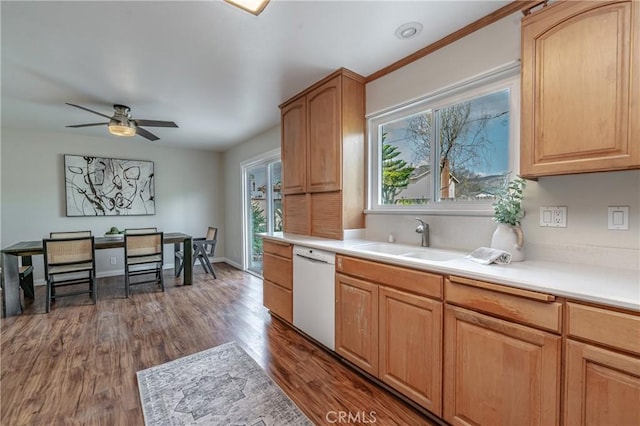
[[314, 294]]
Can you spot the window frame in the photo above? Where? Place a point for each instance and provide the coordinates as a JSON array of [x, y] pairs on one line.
[[505, 77]]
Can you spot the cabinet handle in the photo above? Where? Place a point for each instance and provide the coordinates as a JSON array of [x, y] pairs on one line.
[[542, 297]]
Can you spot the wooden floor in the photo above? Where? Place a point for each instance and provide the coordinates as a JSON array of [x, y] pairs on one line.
[[77, 364]]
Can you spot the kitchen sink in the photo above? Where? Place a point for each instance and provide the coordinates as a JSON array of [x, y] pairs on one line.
[[434, 255], [384, 248], [430, 254]]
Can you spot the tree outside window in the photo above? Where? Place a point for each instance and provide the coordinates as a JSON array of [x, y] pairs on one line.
[[468, 141]]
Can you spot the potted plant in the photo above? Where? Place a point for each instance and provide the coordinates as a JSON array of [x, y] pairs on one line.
[[508, 212]]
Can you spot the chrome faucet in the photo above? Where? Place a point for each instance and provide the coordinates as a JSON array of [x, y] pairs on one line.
[[423, 229]]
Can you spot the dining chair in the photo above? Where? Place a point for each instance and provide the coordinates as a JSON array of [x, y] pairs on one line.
[[69, 262], [69, 234], [203, 248], [143, 256], [140, 230], [26, 285]]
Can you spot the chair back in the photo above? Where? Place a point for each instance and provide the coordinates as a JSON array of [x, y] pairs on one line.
[[143, 244], [68, 251], [211, 238], [140, 230], [69, 234]]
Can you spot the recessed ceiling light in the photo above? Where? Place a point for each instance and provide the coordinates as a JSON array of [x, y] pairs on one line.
[[251, 6], [408, 30]]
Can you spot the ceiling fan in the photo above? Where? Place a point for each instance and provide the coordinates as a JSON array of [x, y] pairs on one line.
[[121, 123]]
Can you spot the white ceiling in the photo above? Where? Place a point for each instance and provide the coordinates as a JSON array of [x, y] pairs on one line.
[[218, 72]]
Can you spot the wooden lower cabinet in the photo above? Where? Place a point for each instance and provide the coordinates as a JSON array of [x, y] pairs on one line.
[[277, 270], [410, 340], [357, 322], [278, 300], [602, 366], [389, 324], [499, 373], [602, 387]]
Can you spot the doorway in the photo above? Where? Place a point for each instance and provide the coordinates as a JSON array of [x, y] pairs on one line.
[[263, 205]]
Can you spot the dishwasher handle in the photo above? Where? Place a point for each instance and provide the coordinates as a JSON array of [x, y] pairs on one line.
[[312, 259]]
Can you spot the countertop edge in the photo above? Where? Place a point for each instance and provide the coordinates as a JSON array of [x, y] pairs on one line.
[[528, 275]]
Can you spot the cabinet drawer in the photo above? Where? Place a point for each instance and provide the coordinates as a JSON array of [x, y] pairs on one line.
[[278, 270], [616, 329], [277, 248], [419, 282], [278, 300], [523, 306]]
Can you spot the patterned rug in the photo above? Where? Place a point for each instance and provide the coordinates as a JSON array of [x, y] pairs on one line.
[[219, 386]]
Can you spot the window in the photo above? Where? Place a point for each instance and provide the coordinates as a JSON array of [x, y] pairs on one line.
[[451, 151], [262, 204]]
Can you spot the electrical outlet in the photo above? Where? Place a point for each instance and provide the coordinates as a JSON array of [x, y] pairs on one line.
[[555, 217], [113, 260]]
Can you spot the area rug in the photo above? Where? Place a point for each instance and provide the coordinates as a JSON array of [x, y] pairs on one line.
[[219, 386]]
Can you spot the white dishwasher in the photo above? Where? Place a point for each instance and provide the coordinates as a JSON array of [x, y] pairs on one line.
[[314, 293]]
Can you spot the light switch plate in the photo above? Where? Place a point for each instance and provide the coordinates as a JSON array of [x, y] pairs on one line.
[[555, 216], [618, 218]]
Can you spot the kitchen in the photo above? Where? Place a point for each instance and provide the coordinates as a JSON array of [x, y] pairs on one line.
[[456, 338]]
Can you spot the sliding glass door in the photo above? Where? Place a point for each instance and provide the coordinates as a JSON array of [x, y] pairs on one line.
[[263, 206]]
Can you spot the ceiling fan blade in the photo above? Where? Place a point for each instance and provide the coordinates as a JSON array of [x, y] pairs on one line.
[[90, 110], [87, 125], [146, 134], [155, 123]]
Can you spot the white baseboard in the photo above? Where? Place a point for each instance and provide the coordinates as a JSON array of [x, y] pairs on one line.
[[232, 263]]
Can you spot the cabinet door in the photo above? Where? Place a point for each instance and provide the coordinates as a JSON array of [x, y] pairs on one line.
[[294, 147], [357, 322], [602, 387], [324, 136], [499, 373], [296, 214], [326, 215], [580, 89], [410, 338]]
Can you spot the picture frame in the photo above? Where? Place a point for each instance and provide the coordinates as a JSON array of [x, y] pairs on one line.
[[102, 186]]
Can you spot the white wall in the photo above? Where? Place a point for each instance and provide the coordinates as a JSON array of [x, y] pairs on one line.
[[586, 238], [189, 190], [232, 159]]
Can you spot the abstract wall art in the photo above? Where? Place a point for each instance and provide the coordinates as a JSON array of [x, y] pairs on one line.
[[97, 186]]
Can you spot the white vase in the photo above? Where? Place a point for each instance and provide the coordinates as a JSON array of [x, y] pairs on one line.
[[509, 238]]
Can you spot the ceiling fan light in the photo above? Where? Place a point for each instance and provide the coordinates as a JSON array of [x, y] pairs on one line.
[[121, 130], [251, 6]]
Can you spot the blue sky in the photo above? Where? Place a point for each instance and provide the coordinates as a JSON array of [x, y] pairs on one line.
[[497, 132]]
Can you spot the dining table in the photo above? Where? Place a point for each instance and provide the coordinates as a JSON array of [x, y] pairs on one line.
[[24, 250]]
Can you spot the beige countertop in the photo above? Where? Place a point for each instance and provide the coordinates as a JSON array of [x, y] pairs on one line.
[[608, 286]]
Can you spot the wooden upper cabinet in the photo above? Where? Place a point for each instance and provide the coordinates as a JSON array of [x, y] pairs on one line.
[[580, 88], [325, 152], [297, 214], [294, 147]]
